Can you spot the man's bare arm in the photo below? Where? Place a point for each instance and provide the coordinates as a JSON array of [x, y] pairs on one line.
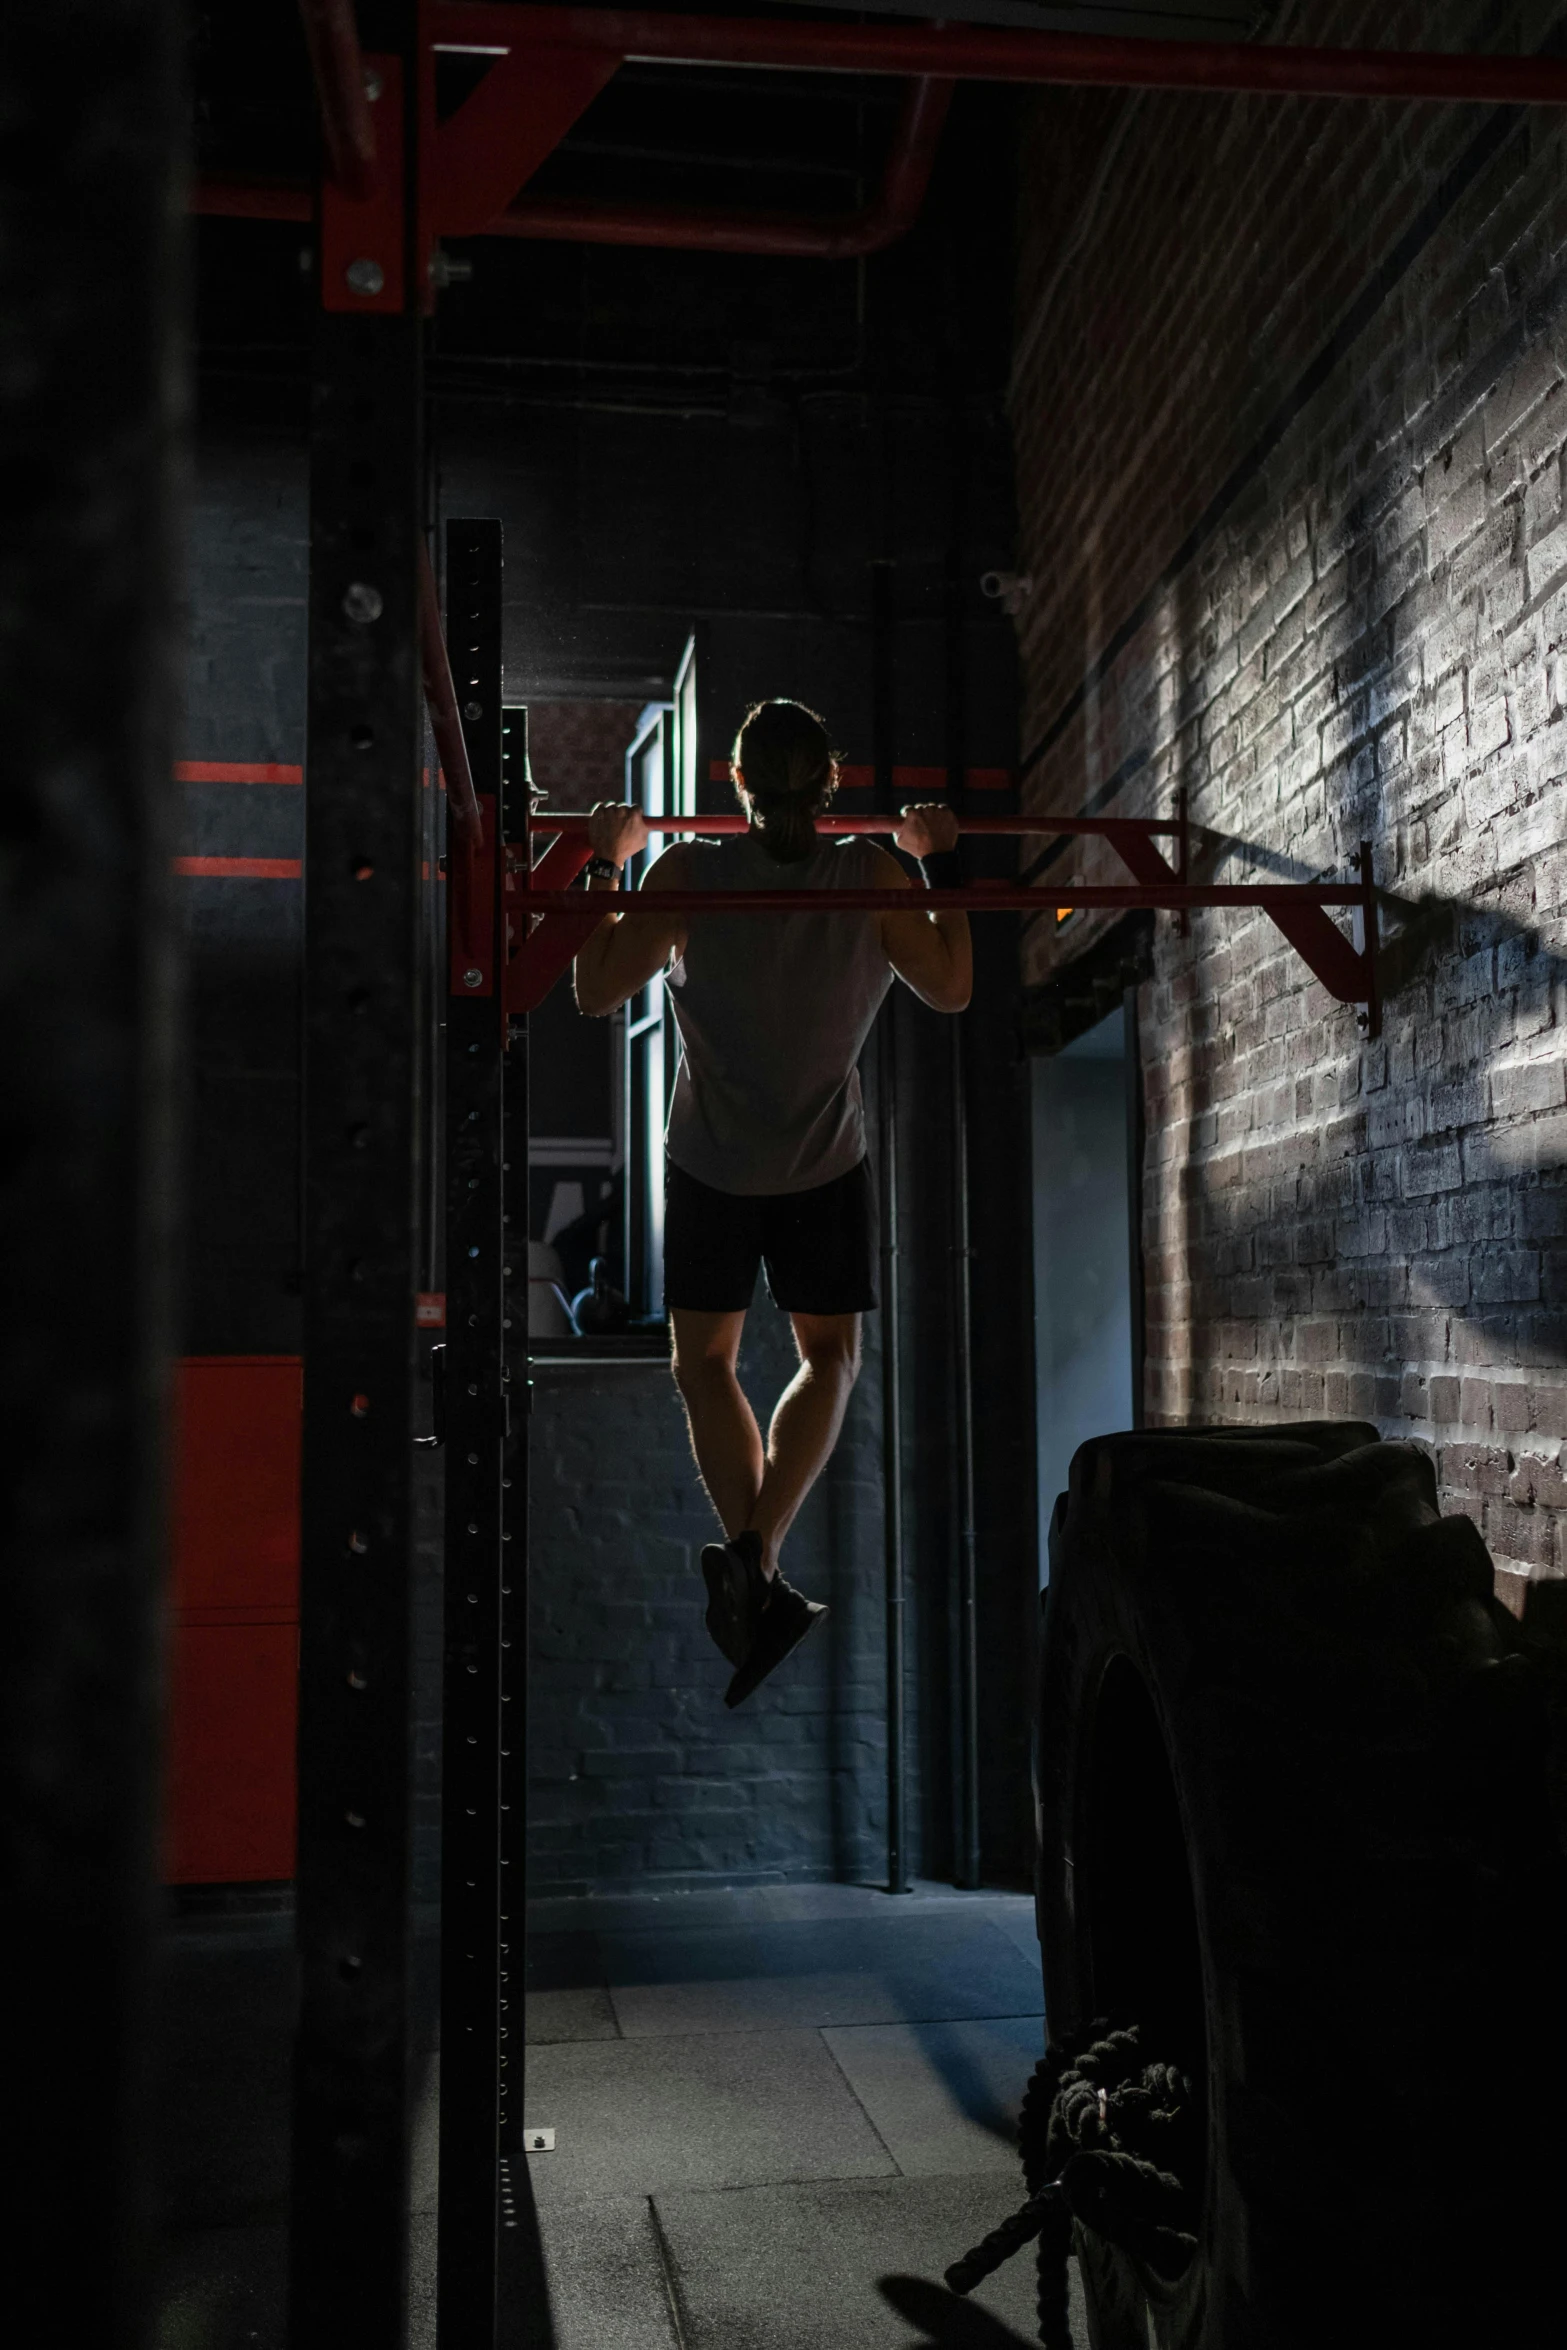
[[931, 952], [632, 946]]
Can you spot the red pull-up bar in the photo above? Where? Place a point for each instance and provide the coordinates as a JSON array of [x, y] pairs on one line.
[[550, 921], [571, 824]]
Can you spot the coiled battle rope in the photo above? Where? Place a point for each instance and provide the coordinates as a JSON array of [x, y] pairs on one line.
[[1106, 2139]]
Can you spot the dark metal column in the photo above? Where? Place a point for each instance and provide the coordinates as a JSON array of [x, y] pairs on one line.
[[892, 1444], [361, 1194], [475, 1443], [516, 795], [92, 403], [883, 585], [966, 1840], [966, 1870]]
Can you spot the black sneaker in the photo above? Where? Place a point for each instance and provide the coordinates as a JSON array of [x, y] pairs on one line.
[[786, 1618], [736, 1593]]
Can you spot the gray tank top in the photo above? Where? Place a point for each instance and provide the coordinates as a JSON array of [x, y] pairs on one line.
[[773, 1010]]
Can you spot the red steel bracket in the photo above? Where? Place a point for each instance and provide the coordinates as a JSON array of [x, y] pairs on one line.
[[499, 136], [1348, 972], [538, 958], [804, 236], [362, 262], [472, 923]]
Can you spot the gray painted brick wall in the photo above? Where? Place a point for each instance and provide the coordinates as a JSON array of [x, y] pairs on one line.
[[637, 1769], [1367, 640]]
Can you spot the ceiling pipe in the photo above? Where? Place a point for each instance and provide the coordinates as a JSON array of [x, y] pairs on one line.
[[804, 235], [337, 62], [963, 52]]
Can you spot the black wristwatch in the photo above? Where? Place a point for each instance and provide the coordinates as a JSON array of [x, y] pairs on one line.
[[601, 869]]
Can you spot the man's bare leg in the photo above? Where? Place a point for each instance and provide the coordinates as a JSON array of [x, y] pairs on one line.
[[805, 1424], [724, 1435]]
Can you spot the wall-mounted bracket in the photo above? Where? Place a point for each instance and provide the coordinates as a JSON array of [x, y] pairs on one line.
[[1349, 973]]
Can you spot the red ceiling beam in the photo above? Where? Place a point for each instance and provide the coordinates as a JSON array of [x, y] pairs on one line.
[[963, 52], [807, 236], [550, 63], [804, 235]]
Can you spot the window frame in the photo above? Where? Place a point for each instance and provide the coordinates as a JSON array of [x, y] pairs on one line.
[[661, 777]]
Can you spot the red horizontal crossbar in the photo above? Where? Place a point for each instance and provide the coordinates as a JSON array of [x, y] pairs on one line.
[[240, 868], [235, 771], [993, 53]]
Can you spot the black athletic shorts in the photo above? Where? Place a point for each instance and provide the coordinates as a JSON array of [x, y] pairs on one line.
[[818, 1248]]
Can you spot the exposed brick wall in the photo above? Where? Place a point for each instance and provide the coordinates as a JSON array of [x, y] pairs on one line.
[[577, 750], [1290, 411]]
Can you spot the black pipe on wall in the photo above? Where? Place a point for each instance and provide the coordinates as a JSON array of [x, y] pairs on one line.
[[883, 752], [966, 1839], [966, 1856], [898, 1880]]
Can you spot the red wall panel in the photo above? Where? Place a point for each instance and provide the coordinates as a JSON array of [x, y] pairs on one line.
[[231, 1753], [233, 1672]]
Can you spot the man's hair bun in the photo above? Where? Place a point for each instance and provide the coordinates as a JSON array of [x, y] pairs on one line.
[[791, 773]]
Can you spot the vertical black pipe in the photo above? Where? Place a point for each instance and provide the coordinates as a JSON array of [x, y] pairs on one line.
[[92, 397], [967, 1870], [883, 753], [966, 1839], [1136, 1141], [892, 1441]]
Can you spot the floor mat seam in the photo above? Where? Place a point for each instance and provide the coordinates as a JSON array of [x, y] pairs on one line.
[[821, 2033], [666, 2269]]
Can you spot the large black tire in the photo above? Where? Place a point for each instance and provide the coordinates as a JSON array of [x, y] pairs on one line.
[[1295, 1773]]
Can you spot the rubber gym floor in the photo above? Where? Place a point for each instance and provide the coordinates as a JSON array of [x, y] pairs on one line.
[[766, 2103]]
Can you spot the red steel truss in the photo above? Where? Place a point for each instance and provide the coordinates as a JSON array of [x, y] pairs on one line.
[[551, 63]]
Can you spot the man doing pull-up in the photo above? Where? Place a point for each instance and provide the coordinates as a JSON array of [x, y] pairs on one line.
[[766, 1139]]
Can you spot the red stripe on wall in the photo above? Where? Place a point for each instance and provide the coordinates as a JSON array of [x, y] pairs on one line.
[[240, 868], [234, 771]]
